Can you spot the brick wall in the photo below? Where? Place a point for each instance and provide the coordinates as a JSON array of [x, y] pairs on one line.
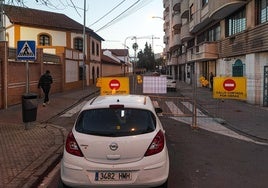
[[11, 93]]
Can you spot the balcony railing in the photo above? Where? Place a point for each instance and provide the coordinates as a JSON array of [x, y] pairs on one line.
[[203, 52], [177, 22], [185, 32], [176, 40], [184, 8], [177, 5]]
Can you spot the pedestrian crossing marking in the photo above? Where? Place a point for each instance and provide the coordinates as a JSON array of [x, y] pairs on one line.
[[189, 106], [173, 108]]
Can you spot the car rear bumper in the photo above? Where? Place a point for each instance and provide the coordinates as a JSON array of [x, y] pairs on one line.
[[150, 171]]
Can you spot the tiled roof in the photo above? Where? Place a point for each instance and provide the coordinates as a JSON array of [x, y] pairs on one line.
[[45, 19], [119, 52], [108, 60]]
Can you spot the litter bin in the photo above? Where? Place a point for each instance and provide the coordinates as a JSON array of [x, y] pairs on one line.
[[29, 107]]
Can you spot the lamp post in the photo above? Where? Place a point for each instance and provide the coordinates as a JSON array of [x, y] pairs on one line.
[[125, 47], [84, 46], [157, 17]]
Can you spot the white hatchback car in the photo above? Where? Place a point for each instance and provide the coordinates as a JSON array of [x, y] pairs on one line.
[[117, 141], [171, 82]]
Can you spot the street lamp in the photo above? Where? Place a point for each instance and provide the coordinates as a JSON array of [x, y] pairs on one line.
[[157, 17], [125, 47]]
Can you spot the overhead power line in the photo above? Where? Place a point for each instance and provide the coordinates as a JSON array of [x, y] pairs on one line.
[[107, 13], [133, 8]]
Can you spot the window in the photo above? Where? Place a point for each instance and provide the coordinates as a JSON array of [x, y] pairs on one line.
[[98, 49], [213, 34], [44, 40], [262, 11], [78, 44], [115, 122], [93, 48], [191, 11], [236, 23], [238, 68], [204, 2]]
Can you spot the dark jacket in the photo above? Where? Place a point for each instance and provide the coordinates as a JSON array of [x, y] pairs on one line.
[[45, 80]]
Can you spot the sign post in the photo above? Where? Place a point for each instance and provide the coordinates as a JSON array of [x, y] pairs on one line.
[[26, 50]]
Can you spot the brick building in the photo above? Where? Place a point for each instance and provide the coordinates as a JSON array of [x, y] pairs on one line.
[[226, 37], [59, 43]]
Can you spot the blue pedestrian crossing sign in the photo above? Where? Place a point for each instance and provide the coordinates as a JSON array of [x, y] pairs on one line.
[[26, 50]]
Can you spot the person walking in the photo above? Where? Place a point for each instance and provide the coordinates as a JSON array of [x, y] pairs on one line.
[[45, 82], [211, 80]]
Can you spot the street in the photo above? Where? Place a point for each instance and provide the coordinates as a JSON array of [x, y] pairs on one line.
[[201, 158]]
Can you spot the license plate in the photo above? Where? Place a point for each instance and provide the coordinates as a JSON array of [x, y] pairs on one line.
[[112, 176]]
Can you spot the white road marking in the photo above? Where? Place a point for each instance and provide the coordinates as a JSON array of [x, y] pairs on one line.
[[173, 108], [209, 124], [190, 107]]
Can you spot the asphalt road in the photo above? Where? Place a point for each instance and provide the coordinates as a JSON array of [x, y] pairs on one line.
[[200, 158]]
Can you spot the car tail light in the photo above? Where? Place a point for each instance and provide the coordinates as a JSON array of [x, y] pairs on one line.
[[157, 144], [72, 147]]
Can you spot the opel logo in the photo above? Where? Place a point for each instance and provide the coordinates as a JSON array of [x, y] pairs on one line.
[[113, 146]]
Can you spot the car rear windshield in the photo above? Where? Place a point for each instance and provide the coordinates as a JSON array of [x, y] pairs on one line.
[[115, 122]]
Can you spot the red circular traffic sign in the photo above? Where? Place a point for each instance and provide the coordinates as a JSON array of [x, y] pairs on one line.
[[229, 85], [114, 84]]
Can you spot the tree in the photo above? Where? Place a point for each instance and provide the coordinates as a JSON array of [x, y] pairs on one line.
[[146, 58]]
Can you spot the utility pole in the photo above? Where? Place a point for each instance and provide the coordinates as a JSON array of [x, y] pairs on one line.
[[2, 27], [135, 47], [84, 46]]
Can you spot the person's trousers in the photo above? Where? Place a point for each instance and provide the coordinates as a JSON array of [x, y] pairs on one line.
[[46, 90]]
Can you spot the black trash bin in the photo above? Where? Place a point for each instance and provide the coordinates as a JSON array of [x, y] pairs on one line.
[[29, 107]]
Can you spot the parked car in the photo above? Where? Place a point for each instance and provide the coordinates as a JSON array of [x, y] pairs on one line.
[[171, 82], [116, 141]]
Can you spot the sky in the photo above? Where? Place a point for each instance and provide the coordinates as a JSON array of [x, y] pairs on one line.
[[116, 21]]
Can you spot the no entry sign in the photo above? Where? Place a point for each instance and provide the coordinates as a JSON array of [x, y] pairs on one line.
[[229, 84], [114, 84], [230, 88]]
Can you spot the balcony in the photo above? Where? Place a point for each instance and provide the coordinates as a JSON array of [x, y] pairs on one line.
[[165, 3], [204, 52], [176, 41], [177, 5], [185, 9], [166, 26], [224, 8], [185, 32], [176, 22]]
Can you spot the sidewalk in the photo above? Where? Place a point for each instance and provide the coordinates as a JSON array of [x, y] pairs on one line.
[[26, 155]]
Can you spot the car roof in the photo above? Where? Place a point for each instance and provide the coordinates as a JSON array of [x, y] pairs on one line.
[[129, 101]]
